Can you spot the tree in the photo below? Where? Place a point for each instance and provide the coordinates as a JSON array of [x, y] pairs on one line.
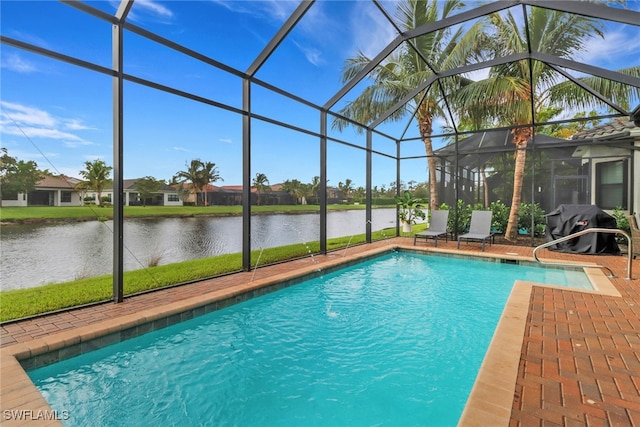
[[295, 188], [505, 95], [359, 194], [346, 187], [200, 174], [314, 188], [407, 68], [18, 176], [147, 187], [209, 174], [183, 189], [261, 183], [96, 175]]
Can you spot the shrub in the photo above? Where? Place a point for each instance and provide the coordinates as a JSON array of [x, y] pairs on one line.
[[500, 217], [621, 220], [539, 220], [464, 216]]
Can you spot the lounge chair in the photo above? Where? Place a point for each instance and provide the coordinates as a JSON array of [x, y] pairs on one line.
[[437, 227], [479, 229], [635, 235]]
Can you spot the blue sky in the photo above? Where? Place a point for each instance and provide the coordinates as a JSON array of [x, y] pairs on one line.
[[60, 115]]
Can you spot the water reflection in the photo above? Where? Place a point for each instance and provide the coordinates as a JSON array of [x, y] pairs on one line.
[[33, 255]]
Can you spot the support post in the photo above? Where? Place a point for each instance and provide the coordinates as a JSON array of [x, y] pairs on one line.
[[368, 197], [246, 175], [118, 136], [322, 192]]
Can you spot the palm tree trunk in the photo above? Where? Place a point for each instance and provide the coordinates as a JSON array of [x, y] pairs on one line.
[[433, 181], [426, 129], [520, 138]]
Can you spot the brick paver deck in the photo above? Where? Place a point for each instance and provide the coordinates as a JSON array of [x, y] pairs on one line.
[[579, 362]]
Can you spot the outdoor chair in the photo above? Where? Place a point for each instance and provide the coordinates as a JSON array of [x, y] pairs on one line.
[[635, 235], [437, 227], [479, 229]]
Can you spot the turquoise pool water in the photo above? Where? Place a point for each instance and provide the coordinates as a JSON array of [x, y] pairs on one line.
[[395, 340]]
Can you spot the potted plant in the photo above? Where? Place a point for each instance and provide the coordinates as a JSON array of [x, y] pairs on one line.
[[410, 210]]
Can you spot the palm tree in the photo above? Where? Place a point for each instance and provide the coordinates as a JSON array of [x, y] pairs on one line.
[[346, 187], [200, 174], [96, 174], [505, 96], [315, 187], [208, 174], [293, 187], [261, 183], [189, 175], [405, 69]]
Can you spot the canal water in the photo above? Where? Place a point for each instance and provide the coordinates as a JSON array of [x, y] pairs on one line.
[[34, 255]]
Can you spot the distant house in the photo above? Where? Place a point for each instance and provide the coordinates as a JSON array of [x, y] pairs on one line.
[[57, 190], [228, 195], [232, 195], [167, 195], [611, 154]]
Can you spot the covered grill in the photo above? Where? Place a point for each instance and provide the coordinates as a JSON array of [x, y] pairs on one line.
[[569, 219]]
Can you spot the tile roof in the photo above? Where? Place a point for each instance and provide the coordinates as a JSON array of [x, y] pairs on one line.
[[59, 181], [130, 184], [613, 130]]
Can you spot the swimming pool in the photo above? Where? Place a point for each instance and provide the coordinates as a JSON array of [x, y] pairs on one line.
[[394, 340]]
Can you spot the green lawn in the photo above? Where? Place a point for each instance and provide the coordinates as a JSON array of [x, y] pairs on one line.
[[19, 303], [9, 214]]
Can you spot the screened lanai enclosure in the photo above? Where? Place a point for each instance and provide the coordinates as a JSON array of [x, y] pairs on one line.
[[516, 106]]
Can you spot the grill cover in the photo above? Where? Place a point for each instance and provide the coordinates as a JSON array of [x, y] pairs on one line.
[[569, 219]]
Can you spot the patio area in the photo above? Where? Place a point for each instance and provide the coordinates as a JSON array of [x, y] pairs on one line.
[[579, 361]]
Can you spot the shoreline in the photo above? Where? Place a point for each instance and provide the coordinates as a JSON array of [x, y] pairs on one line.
[[29, 221]]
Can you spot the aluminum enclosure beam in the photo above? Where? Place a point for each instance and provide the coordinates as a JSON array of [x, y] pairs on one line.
[[118, 155], [285, 29]]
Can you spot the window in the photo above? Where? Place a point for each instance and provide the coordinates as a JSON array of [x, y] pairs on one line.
[[173, 198], [65, 196], [611, 184]]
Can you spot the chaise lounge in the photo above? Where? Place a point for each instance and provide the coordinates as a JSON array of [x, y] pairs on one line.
[[437, 227], [479, 229]]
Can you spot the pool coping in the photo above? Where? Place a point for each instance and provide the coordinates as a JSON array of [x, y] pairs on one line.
[[489, 403]]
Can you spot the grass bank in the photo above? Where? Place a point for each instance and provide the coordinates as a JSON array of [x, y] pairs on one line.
[[19, 303], [88, 213]]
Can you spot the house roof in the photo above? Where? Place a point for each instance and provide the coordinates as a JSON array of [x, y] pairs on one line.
[[130, 184], [615, 129], [58, 181]]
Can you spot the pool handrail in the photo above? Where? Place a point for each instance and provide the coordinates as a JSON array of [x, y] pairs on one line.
[[580, 233]]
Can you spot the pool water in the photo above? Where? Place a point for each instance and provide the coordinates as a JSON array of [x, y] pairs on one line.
[[395, 340]]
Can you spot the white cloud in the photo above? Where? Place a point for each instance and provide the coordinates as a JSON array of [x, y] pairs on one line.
[[14, 62], [154, 8], [616, 47], [180, 149], [25, 115], [32, 123], [276, 10], [75, 124], [370, 30], [313, 55], [226, 140]]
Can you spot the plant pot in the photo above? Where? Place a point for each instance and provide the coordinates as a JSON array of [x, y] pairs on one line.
[[406, 227]]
